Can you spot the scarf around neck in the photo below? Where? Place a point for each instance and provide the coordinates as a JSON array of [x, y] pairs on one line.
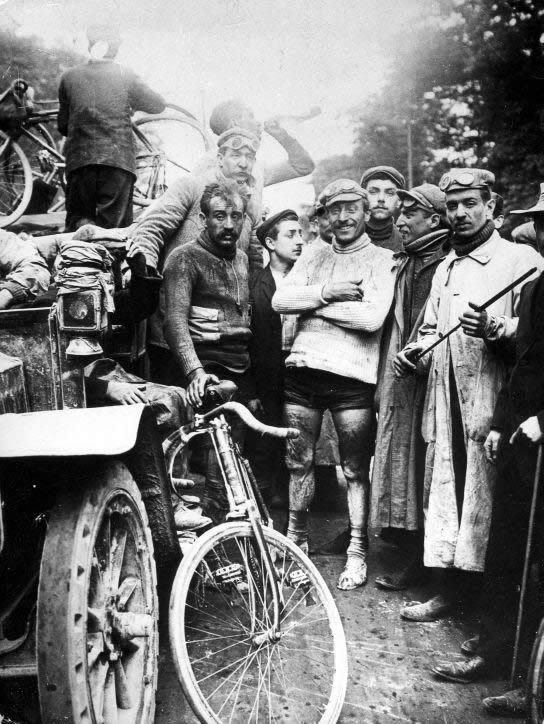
[[465, 246], [379, 233], [205, 241], [425, 242]]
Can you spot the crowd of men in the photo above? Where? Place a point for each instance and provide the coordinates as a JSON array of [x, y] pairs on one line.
[[340, 329]]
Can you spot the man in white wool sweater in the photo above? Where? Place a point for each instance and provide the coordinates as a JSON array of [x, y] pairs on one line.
[[342, 293]]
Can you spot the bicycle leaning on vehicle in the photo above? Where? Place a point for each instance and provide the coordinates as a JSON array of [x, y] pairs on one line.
[[254, 630], [167, 145]]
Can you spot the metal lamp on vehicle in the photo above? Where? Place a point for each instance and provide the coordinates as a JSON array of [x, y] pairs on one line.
[[83, 312]]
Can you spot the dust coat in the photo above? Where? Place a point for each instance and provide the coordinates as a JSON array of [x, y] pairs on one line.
[[479, 375], [399, 458]]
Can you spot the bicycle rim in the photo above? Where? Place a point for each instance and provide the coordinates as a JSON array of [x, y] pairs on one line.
[[15, 181], [220, 613], [535, 680]]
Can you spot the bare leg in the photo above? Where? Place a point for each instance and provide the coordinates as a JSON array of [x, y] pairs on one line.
[[355, 430]]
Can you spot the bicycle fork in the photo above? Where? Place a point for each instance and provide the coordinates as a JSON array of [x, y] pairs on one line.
[[241, 505]]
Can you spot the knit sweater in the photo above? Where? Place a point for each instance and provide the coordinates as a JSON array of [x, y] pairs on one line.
[[339, 337], [207, 307]]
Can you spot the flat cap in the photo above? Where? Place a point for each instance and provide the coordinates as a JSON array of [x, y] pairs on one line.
[[426, 196], [238, 137], [263, 229], [391, 173], [344, 189], [460, 179]]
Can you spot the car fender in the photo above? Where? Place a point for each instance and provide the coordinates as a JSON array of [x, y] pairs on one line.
[[104, 431]]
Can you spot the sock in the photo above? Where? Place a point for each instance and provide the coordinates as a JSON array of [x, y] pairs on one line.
[[358, 544], [297, 528]]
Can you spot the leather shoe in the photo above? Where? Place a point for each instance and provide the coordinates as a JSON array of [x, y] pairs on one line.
[[511, 702], [470, 646], [462, 672], [413, 575], [433, 609]]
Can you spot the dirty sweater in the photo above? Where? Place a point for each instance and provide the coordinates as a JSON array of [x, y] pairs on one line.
[[207, 306], [339, 337]]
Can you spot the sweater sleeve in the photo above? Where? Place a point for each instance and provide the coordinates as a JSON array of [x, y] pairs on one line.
[[299, 162], [180, 276], [295, 295], [24, 273], [369, 314], [164, 218]]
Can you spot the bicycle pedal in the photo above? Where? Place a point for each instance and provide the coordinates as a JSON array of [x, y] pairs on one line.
[[229, 574]]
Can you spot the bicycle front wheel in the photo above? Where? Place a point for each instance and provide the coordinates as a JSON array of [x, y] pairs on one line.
[[15, 181], [221, 610], [535, 680]]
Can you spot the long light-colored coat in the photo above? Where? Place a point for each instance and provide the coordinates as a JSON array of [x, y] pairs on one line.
[[479, 375]]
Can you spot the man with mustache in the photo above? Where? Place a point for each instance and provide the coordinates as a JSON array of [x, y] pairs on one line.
[[175, 219], [207, 307], [382, 184], [342, 293], [465, 376]]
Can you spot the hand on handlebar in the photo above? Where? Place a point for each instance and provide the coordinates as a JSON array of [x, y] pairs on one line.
[[198, 382]]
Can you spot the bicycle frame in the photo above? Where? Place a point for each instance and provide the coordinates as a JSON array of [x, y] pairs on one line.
[[240, 494]]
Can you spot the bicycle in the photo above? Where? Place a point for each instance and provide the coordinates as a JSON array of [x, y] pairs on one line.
[[254, 630], [29, 155]]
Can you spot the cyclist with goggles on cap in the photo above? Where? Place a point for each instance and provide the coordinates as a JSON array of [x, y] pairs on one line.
[[465, 376]]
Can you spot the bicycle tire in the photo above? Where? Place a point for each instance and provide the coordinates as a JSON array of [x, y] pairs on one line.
[[169, 139], [535, 680], [305, 670], [15, 181]]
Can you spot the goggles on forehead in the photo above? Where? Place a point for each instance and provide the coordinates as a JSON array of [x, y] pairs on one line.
[[409, 202], [465, 178], [237, 138]]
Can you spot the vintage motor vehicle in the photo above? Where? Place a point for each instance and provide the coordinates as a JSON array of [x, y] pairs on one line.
[[86, 522]]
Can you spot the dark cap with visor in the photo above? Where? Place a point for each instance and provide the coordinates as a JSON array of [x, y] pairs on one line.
[[426, 196], [264, 229], [388, 171], [462, 179]]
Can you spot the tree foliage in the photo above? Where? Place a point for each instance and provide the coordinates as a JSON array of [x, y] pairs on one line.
[[470, 82]]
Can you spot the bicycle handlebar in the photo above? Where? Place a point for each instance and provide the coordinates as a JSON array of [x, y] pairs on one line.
[[245, 415]]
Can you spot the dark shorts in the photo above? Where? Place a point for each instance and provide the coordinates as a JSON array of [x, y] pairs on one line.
[[321, 390]]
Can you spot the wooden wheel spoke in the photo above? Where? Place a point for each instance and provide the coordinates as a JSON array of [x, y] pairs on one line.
[[121, 687], [97, 681], [96, 618], [109, 710], [126, 590], [118, 545], [97, 647]]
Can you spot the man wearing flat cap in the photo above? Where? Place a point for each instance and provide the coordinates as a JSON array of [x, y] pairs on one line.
[[96, 102], [382, 184], [466, 373], [174, 220], [281, 236], [399, 458], [342, 293]]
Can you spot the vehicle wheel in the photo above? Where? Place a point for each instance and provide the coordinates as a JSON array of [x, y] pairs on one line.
[[15, 181], [220, 614], [97, 635], [535, 680], [167, 147]]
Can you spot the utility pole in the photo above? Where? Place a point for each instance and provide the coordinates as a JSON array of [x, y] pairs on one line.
[[410, 160]]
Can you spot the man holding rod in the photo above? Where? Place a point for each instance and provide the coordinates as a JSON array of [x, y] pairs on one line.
[[465, 377]]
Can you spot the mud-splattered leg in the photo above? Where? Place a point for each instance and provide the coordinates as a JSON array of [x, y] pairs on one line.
[[355, 430]]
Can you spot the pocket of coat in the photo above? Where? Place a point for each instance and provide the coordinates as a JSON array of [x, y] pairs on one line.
[[204, 324]]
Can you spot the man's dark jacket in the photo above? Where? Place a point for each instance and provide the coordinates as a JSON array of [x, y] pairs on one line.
[[267, 358], [523, 396]]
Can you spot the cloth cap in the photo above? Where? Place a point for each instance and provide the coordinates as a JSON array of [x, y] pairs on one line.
[[460, 179], [344, 189], [426, 196], [237, 138], [264, 229], [396, 177], [538, 208]]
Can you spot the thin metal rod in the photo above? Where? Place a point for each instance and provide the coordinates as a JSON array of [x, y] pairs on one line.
[[479, 308], [526, 565]]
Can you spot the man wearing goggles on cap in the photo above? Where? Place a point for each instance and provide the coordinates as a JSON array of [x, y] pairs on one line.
[[399, 458], [342, 293], [174, 220], [465, 377]]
